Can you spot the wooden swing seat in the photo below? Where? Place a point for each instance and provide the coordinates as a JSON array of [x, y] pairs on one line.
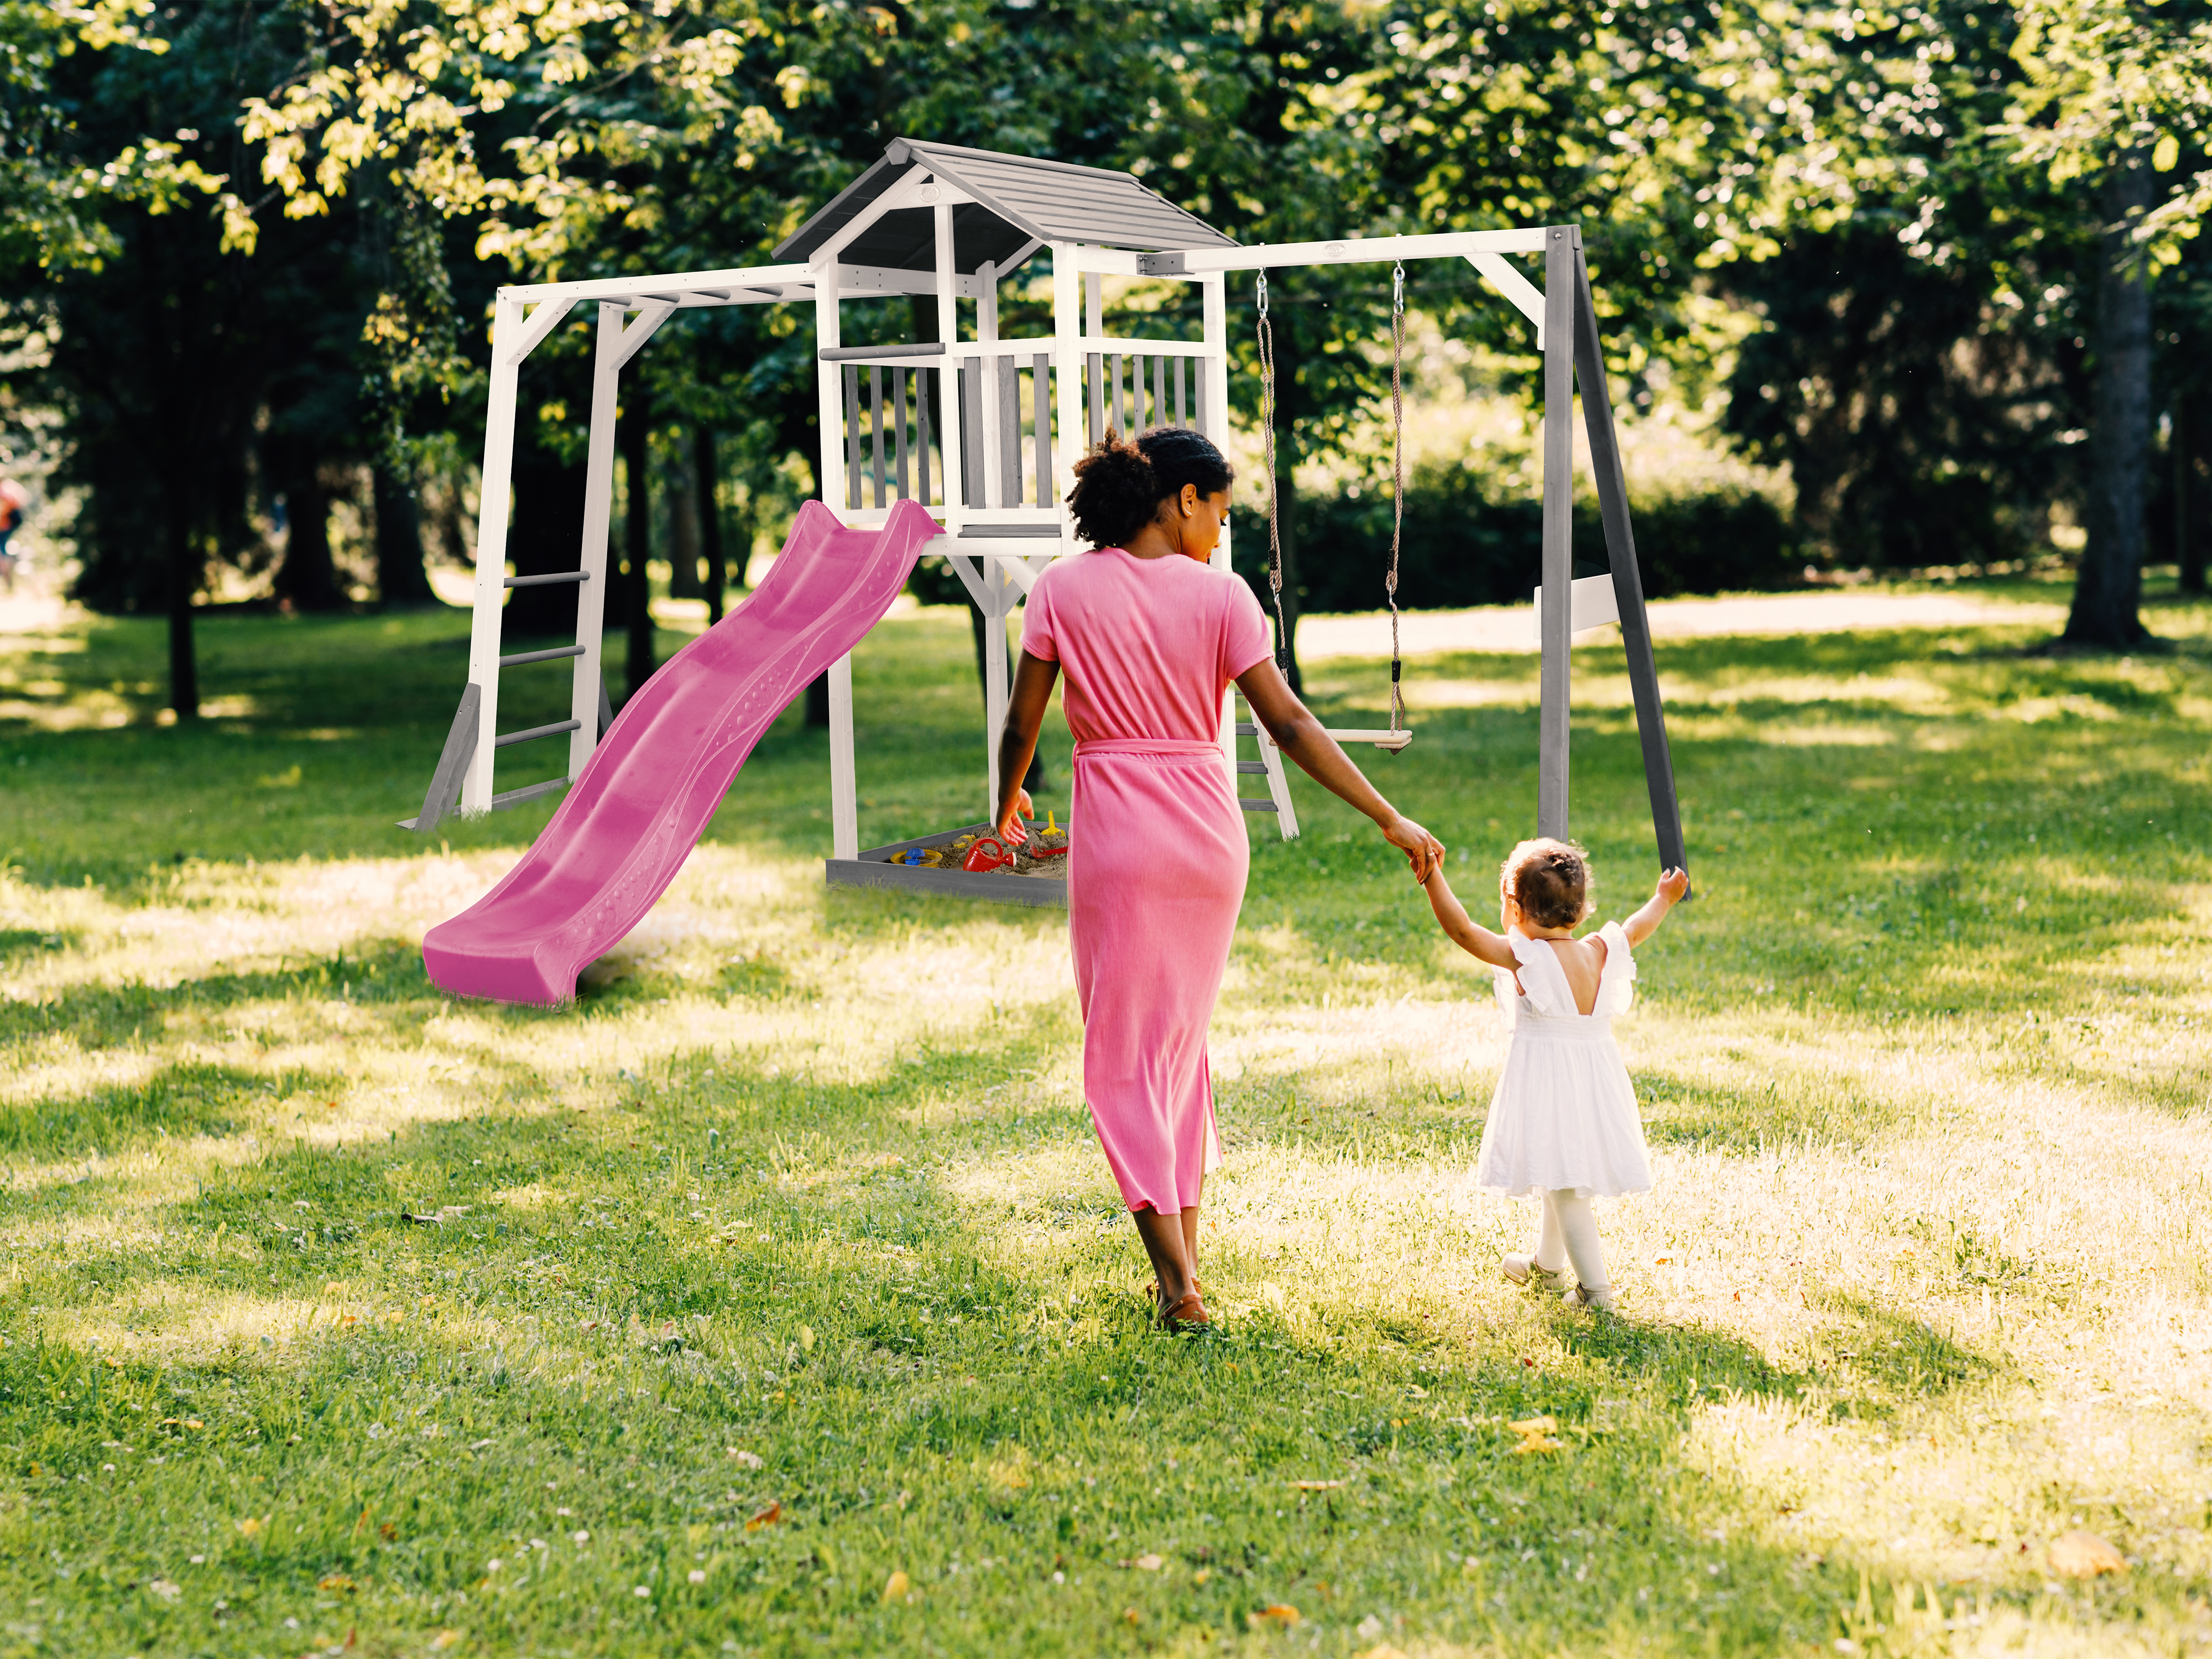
[[1393, 741]]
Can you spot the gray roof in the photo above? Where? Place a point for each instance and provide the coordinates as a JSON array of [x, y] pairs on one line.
[[1018, 200]]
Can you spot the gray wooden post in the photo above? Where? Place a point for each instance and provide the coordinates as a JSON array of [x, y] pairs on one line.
[[1560, 263], [1627, 579]]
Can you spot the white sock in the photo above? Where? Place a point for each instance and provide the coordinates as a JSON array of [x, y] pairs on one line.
[[1576, 1223]]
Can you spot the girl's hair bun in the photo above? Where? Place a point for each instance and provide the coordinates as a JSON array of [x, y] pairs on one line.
[[1119, 484], [1549, 879]]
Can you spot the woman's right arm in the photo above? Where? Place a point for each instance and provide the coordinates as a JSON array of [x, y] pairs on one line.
[[1034, 678], [1300, 736]]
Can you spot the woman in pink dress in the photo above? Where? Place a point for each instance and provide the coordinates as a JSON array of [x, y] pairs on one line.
[[1150, 635]]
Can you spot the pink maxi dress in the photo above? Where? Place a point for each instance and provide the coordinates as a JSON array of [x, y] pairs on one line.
[[1158, 858]]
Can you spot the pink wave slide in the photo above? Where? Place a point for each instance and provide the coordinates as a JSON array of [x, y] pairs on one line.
[[628, 823]]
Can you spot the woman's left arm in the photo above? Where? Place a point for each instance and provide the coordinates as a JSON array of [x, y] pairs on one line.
[[1300, 736], [1034, 678]]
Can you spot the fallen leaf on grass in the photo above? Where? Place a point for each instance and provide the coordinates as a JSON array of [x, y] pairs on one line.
[[1535, 1425], [2084, 1555], [1281, 1614], [252, 1525], [749, 1459], [896, 1586], [337, 1581], [1142, 1563], [1315, 1485], [167, 1588], [445, 1638], [767, 1517]]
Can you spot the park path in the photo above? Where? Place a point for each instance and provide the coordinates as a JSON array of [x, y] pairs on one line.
[[1512, 628]]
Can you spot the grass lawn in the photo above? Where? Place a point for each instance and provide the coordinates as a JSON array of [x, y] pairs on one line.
[[774, 1299]]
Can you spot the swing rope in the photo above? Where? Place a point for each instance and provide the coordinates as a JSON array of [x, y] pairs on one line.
[[1397, 479], [1266, 340]]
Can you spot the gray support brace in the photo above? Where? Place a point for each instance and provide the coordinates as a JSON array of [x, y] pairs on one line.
[[1627, 579], [1552, 721], [445, 792]]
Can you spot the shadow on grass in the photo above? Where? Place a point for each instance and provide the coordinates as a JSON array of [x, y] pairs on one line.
[[1744, 1120], [94, 1016], [191, 1098]]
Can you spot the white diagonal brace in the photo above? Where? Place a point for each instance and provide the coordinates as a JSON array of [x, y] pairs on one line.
[[651, 315], [540, 322], [1525, 296]]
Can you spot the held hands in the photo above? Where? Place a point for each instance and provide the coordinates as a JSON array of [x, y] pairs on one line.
[[1010, 826], [1424, 853]]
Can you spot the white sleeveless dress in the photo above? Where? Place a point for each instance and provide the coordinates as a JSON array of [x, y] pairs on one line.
[[1564, 1112]]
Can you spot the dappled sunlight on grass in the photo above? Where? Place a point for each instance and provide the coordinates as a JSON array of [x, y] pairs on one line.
[[351, 1288]]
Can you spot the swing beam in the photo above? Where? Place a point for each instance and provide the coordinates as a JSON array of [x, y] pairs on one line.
[[1566, 319]]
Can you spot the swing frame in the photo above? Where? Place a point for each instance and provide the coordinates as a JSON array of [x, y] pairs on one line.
[[1565, 317]]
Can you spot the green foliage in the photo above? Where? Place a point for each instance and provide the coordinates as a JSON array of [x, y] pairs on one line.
[[1469, 539]]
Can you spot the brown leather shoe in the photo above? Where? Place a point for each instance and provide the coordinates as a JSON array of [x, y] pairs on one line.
[[1188, 1314]]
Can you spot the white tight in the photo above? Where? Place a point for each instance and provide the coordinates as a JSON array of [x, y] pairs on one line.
[[1569, 1235]]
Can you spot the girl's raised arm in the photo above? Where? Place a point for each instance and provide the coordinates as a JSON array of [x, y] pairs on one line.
[[1645, 922], [1470, 935]]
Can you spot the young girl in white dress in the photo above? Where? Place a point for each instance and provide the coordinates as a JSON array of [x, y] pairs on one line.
[[1564, 1123]]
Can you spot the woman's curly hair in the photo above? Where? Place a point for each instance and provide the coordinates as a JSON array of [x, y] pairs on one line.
[[1550, 880], [1119, 484]]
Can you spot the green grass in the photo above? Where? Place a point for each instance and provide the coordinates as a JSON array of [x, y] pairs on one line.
[[680, 1321]]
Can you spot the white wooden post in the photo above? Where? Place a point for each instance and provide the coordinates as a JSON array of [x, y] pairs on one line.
[[844, 791], [996, 493], [1002, 592], [1067, 376], [1094, 304], [492, 510], [948, 400], [598, 505], [1213, 303]]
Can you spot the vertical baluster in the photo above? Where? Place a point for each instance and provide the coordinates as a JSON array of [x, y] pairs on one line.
[[1121, 421], [1009, 377], [1198, 393], [1095, 381], [852, 435], [876, 424], [921, 431], [1159, 391], [970, 375], [1179, 405], [898, 425], [1041, 400]]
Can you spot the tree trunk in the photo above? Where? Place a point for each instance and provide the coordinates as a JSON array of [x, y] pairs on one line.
[[2108, 590], [2188, 500], [707, 475], [307, 580], [637, 537], [400, 579], [681, 491], [1286, 494], [184, 580]]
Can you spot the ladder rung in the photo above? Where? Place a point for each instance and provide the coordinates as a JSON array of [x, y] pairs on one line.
[[1251, 805], [1251, 766], [547, 581], [1247, 729], [528, 791], [521, 656], [537, 732]]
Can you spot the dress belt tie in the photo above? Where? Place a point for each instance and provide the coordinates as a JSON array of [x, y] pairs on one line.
[[1161, 746]]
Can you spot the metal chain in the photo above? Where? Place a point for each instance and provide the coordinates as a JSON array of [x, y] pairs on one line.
[[1267, 339], [1397, 477]]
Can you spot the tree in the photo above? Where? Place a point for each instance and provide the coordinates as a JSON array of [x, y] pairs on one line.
[[2112, 89]]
